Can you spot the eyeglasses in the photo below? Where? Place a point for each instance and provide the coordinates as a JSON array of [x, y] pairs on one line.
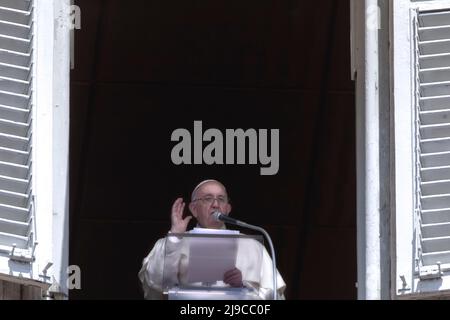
[[210, 200]]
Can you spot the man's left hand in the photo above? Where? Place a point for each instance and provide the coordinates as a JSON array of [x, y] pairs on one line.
[[233, 277]]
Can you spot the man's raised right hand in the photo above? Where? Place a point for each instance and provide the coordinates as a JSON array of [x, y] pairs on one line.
[[179, 224]]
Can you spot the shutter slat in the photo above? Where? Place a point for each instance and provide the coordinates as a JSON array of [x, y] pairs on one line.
[[13, 184], [14, 100], [435, 117], [13, 199], [13, 128], [11, 239], [435, 145], [430, 160], [14, 86], [14, 44], [434, 33], [435, 187], [23, 5], [14, 114], [434, 47], [435, 131], [436, 244], [434, 216], [436, 230], [434, 257], [15, 16], [435, 61], [15, 30], [436, 202], [14, 142], [14, 227], [435, 89], [15, 58], [14, 213], [14, 71], [14, 170], [14, 156], [435, 174], [433, 19], [433, 75], [435, 103]]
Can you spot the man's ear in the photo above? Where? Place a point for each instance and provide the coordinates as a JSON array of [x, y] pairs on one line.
[[227, 208], [192, 209]]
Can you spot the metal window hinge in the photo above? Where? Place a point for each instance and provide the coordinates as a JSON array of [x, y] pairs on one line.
[[431, 272], [23, 255], [55, 292], [404, 285], [44, 275]]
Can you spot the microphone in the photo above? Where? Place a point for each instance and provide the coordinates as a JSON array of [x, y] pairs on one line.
[[219, 216]]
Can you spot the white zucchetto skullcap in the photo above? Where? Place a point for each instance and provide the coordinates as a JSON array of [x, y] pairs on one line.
[[201, 184]]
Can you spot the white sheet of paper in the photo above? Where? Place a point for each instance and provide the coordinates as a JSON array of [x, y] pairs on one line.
[[210, 258]]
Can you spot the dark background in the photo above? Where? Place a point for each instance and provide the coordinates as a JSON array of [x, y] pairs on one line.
[[144, 68]]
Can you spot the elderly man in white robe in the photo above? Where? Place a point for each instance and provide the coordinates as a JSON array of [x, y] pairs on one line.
[[208, 197]]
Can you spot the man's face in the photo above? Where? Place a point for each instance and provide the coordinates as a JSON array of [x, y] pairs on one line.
[[209, 198]]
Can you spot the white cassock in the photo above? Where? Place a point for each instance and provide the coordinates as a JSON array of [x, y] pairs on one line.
[[256, 268]]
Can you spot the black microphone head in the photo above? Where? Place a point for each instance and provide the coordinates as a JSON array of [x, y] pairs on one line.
[[217, 215]]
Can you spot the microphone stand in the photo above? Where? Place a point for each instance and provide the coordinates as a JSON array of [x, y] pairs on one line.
[[272, 250]]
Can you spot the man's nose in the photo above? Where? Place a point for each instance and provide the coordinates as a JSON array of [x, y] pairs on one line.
[[215, 203]]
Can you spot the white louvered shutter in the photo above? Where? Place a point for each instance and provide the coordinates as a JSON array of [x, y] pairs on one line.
[[433, 139], [16, 101]]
